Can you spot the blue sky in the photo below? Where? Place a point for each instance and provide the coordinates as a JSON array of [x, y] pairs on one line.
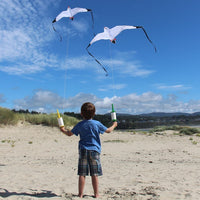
[[38, 72]]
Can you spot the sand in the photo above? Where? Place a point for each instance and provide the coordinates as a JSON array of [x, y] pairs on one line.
[[38, 162]]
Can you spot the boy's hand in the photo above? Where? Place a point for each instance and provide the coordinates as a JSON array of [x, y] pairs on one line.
[[62, 129], [66, 132], [111, 128], [115, 124]]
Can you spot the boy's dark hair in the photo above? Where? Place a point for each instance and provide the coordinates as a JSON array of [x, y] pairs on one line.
[[88, 110]]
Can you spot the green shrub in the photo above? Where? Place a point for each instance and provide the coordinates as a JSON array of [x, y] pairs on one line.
[[189, 131], [158, 129]]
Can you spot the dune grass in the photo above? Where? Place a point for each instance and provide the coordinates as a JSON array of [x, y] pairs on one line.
[[182, 130], [8, 117]]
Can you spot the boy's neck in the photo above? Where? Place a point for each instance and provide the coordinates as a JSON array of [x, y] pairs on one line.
[[87, 119]]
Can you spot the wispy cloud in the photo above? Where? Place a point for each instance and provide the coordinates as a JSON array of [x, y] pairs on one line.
[[112, 87], [25, 33], [2, 98], [127, 64], [177, 87]]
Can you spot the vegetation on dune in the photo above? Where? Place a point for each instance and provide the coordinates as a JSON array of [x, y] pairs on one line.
[[13, 117], [182, 130], [10, 117]]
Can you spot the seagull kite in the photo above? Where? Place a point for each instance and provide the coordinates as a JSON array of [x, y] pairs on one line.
[[110, 34], [70, 12]]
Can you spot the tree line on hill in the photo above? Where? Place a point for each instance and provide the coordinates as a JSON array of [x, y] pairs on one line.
[[138, 121], [145, 121], [25, 111]]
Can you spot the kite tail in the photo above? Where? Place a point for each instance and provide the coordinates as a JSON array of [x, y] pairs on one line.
[[97, 61], [147, 37], [57, 32], [92, 20]]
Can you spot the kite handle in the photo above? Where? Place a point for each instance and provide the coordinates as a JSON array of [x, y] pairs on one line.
[[113, 114], [60, 120]]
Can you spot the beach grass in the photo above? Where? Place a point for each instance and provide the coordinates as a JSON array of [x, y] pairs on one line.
[[182, 130], [8, 117]]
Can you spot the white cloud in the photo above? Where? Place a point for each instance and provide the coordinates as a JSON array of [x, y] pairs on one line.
[[127, 65], [133, 103], [2, 98], [112, 87], [80, 25], [173, 87], [41, 100]]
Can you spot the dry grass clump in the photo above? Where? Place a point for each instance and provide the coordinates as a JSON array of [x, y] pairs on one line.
[[7, 117]]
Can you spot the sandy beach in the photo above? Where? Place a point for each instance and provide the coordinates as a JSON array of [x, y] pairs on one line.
[[38, 162]]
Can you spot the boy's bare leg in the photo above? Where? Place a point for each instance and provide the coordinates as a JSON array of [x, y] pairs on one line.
[[95, 184], [81, 185]]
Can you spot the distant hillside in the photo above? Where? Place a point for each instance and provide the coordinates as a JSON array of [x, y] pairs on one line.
[[163, 114], [126, 121], [158, 114]]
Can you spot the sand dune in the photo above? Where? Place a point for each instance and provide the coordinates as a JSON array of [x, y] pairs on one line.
[[38, 162]]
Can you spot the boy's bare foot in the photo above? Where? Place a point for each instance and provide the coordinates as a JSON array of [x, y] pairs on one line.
[[80, 195], [96, 196]]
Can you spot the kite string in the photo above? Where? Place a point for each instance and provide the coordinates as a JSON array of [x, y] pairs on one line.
[[113, 79], [65, 74]]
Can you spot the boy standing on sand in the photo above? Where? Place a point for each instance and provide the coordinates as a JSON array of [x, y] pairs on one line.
[[89, 146]]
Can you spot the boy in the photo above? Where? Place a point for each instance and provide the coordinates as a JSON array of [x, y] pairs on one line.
[[89, 146]]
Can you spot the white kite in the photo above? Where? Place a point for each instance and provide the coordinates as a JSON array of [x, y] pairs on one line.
[[110, 34], [70, 13]]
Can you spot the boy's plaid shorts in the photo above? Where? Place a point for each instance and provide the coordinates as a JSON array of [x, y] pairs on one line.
[[89, 162]]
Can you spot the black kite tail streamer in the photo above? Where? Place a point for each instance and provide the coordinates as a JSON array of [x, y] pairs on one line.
[[92, 20], [147, 37], [96, 60], [56, 31]]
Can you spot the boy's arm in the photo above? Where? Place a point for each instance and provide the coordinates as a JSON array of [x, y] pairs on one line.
[[111, 128], [66, 132]]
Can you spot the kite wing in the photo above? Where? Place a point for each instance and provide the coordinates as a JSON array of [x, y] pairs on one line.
[[100, 36], [118, 29], [74, 11], [61, 15], [65, 13]]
